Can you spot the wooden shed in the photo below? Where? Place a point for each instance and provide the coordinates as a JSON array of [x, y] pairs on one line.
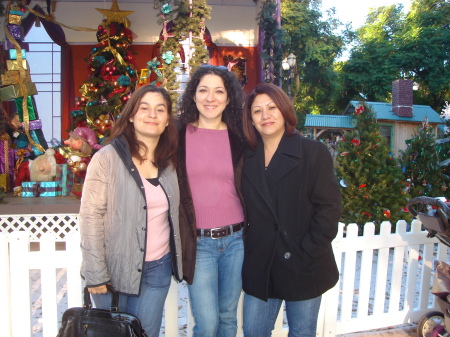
[[398, 120]]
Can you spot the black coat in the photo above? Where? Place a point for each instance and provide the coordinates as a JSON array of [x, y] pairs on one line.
[[288, 236]]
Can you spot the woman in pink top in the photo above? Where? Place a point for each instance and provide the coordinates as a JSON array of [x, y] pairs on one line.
[[211, 145]]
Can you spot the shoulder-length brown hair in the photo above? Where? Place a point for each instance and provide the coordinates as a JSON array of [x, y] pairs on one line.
[[283, 103], [165, 151]]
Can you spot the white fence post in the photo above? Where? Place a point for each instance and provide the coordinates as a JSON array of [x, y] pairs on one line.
[[48, 285], [5, 291], [20, 284], [74, 281], [171, 311]]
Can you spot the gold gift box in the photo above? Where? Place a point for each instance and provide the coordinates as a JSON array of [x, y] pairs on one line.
[[14, 64], [14, 19], [12, 77], [4, 182], [13, 91]]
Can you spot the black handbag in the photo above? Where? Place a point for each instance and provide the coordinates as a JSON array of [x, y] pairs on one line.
[[91, 322]]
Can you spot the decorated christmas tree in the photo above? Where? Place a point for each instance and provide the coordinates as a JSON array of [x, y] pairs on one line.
[[422, 164], [112, 75], [373, 187]]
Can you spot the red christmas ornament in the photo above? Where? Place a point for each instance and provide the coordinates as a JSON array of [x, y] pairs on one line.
[[387, 213], [355, 141], [359, 109], [368, 214], [343, 154], [362, 186]]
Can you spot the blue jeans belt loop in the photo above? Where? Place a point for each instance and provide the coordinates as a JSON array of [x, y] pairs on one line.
[[220, 232]]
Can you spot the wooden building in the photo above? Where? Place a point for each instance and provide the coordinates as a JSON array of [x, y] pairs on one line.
[[398, 120]]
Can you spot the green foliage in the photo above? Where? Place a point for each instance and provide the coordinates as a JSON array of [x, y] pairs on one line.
[[316, 45], [394, 45], [372, 183], [421, 164]]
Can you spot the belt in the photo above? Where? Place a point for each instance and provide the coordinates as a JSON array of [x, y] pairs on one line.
[[220, 232]]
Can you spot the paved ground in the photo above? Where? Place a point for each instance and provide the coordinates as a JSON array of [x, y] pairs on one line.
[[396, 332]]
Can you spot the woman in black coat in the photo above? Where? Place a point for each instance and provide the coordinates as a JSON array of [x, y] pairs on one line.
[[293, 207]]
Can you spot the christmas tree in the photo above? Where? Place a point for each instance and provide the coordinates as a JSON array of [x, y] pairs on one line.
[[373, 188], [422, 164], [113, 76]]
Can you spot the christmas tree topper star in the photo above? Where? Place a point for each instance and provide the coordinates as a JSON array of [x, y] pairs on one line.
[[114, 14]]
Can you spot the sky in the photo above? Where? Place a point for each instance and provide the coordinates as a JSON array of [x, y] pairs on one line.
[[355, 11]]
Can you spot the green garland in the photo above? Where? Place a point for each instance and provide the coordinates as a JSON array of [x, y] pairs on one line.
[[272, 53], [187, 18], [169, 47], [191, 19]]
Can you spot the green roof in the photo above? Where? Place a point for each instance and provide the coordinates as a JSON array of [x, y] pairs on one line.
[[321, 121], [383, 111]]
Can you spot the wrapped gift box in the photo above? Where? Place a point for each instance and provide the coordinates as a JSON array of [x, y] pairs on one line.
[[38, 137], [4, 182], [12, 77], [16, 12], [14, 64], [16, 31], [31, 105], [14, 19], [40, 189], [7, 163], [8, 45], [12, 54], [64, 178], [13, 91]]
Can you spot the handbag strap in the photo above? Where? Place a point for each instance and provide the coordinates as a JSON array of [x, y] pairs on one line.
[[114, 299]]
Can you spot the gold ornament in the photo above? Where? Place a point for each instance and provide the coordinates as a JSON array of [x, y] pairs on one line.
[[82, 166], [114, 14]]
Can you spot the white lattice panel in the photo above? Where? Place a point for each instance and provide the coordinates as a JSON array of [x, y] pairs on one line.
[[58, 224]]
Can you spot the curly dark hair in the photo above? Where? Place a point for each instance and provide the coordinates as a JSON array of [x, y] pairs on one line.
[[231, 116]]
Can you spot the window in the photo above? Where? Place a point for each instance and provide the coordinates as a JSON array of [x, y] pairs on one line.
[[387, 131], [44, 58]]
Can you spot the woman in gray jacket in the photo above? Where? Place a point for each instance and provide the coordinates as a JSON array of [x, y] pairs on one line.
[[129, 211]]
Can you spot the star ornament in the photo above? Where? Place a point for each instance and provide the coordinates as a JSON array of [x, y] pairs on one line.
[[114, 14]]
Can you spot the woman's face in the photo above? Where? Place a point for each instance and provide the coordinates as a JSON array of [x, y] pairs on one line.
[[266, 117], [152, 116], [211, 97]]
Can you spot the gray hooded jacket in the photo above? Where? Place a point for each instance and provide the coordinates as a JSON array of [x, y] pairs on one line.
[[113, 220]]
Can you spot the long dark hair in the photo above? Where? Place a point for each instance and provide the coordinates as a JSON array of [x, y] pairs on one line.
[[165, 151], [231, 116], [283, 103]]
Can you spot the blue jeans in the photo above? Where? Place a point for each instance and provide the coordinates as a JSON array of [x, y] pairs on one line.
[[260, 316], [149, 305], [215, 291]]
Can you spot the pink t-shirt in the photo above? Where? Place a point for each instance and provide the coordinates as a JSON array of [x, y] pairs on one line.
[[211, 178], [158, 229]]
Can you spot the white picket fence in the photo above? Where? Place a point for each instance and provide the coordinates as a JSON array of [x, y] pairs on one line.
[[385, 280]]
